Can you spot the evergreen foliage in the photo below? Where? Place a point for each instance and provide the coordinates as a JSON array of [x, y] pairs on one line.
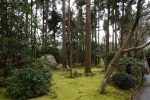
[[32, 81], [124, 80]]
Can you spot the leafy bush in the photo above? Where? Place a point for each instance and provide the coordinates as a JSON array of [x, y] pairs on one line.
[[111, 55], [139, 55], [147, 51], [131, 66], [125, 64], [124, 80], [32, 81], [53, 50]]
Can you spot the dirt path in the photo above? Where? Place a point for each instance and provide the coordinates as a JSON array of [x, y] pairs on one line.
[[144, 93]]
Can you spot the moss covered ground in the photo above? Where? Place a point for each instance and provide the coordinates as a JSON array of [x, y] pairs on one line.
[[78, 88]]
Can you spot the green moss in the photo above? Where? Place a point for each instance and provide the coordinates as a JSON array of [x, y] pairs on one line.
[[81, 88], [3, 95]]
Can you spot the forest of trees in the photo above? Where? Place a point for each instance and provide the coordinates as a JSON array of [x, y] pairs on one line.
[[75, 32]]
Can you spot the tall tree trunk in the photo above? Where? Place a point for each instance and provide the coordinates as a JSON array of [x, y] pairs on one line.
[[81, 34], [70, 42], [35, 28], [53, 9], [95, 31], [107, 37], [119, 53], [113, 34], [32, 46], [45, 22], [88, 39], [115, 37], [64, 55], [98, 33], [43, 31], [78, 49], [122, 25], [26, 19]]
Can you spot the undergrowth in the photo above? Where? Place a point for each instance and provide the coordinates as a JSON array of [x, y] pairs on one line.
[[80, 88]]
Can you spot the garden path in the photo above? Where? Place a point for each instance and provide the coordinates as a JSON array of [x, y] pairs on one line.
[[144, 93]]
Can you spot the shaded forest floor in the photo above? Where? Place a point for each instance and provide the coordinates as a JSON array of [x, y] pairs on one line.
[[78, 88]]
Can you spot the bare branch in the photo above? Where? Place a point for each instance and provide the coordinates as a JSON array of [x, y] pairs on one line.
[[136, 48]]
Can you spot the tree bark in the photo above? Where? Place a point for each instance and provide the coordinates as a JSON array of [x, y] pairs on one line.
[[35, 28], [136, 48], [64, 55], [113, 34], [122, 25], [32, 47], [70, 42], [88, 39], [119, 53], [95, 31], [107, 37], [45, 22], [115, 37]]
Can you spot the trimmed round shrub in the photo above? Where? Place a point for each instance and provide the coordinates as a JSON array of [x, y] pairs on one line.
[[124, 80], [31, 81]]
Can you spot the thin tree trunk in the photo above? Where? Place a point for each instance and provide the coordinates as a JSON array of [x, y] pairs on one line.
[[53, 9], [107, 37], [113, 34], [70, 42], [95, 31], [46, 21], [43, 32], [26, 19], [82, 34], [115, 37], [31, 29], [122, 26], [5, 32], [35, 27], [64, 55], [77, 59]]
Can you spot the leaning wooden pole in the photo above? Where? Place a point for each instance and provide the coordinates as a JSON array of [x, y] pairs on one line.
[[119, 53]]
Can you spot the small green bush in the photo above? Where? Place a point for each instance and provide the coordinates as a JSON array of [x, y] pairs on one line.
[[131, 66], [125, 64], [53, 50], [111, 55], [124, 80], [31, 81]]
